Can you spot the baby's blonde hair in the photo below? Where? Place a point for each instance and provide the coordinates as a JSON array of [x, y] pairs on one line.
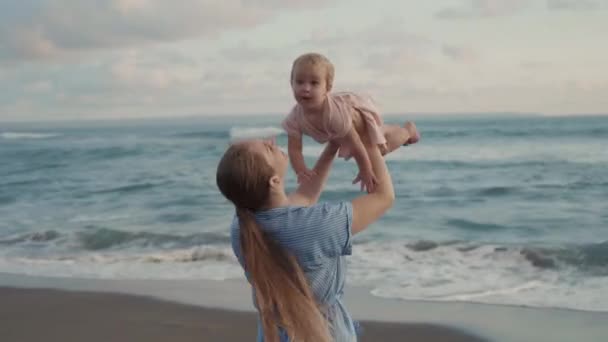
[[315, 59]]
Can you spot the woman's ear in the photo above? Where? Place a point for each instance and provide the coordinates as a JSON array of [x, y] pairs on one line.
[[274, 182]]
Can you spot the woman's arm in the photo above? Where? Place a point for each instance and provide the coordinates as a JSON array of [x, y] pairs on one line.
[[294, 150], [308, 192], [370, 207], [296, 158], [359, 152]]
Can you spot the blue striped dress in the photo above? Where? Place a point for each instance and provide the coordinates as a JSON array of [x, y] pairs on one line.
[[319, 237]]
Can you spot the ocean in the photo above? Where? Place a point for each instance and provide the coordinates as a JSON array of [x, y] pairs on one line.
[[501, 209]]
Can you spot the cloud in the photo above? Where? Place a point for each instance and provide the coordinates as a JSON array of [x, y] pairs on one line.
[[576, 5], [126, 6], [534, 64], [483, 9], [465, 54], [398, 61], [244, 54], [136, 69], [558, 97], [139, 82], [391, 46], [375, 35], [38, 87], [45, 29]]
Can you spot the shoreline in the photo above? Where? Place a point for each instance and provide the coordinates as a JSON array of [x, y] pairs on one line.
[[232, 297], [60, 315]]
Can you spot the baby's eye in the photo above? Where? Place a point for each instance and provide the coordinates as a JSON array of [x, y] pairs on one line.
[[315, 83]]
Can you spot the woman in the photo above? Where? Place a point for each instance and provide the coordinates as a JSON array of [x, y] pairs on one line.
[[291, 247]]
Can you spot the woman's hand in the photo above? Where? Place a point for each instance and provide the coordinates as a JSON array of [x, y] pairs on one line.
[[308, 192], [368, 180]]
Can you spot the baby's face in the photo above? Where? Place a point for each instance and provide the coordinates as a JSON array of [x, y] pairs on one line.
[[309, 86]]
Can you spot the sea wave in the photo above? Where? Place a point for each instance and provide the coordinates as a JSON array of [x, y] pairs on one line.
[[475, 226], [200, 262], [27, 135], [546, 131], [237, 133], [544, 276], [129, 188], [489, 273], [203, 134], [493, 155], [99, 238], [110, 152]]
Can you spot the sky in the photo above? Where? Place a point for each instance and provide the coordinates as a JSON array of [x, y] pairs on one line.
[[81, 59]]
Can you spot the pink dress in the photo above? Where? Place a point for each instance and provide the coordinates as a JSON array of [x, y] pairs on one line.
[[338, 121]]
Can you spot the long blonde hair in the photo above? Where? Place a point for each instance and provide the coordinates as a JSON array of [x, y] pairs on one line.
[[283, 296]]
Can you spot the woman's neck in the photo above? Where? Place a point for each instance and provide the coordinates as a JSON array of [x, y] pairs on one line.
[[277, 200]]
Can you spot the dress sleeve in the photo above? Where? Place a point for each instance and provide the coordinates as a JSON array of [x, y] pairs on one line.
[[366, 103], [340, 120], [291, 126]]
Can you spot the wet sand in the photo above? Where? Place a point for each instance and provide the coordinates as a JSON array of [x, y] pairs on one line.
[[28, 315]]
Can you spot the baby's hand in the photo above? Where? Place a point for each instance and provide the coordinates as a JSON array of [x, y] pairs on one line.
[[304, 175], [368, 180]]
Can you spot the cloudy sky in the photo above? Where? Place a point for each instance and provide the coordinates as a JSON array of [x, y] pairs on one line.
[[138, 58]]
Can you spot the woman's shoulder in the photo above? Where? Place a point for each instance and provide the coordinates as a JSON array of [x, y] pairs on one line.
[[307, 214], [322, 213], [319, 230], [322, 206]]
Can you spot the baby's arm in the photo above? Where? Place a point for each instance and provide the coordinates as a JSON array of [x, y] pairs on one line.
[[296, 158], [359, 151]]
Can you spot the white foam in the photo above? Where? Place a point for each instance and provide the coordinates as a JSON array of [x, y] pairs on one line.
[[453, 272], [481, 275], [254, 132], [27, 135], [204, 262]]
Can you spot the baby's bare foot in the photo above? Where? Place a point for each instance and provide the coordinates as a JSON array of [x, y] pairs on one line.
[[414, 134], [383, 149]]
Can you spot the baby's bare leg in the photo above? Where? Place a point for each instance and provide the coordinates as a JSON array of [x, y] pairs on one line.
[[396, 136], [361, 128]]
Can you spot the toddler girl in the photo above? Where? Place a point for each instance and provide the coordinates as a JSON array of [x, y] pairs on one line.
[[350, 120]]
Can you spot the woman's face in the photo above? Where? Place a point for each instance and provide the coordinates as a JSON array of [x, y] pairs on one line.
[[276, 158]]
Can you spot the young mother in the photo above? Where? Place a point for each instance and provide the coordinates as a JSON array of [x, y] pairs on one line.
[[291, 247]]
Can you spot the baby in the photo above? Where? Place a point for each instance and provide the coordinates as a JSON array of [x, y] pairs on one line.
[[348, 119]]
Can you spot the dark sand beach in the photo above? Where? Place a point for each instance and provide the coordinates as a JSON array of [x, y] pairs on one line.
[[33, 315], [51, 309]]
